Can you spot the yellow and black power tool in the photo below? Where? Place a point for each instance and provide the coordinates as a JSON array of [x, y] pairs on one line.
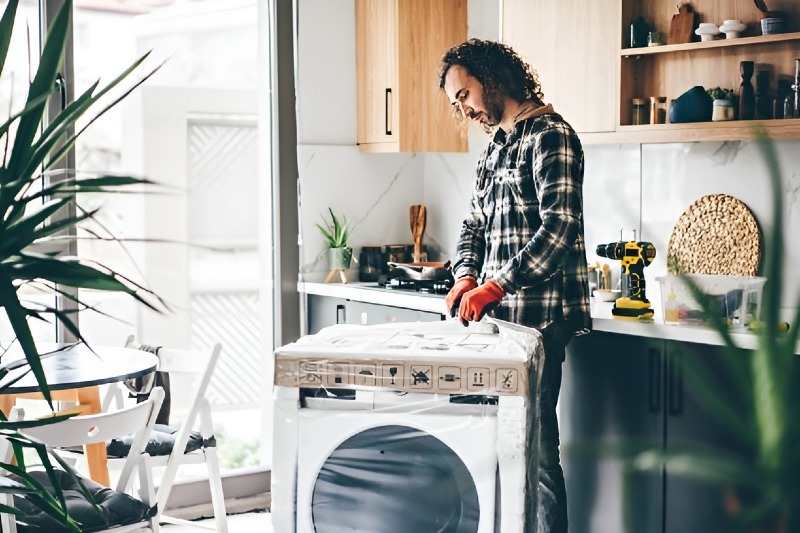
[[635, 256]]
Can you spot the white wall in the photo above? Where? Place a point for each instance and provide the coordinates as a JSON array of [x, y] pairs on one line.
[[373, 190], [642, 187]]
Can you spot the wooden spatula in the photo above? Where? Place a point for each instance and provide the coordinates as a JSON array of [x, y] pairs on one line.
[[417, 218]]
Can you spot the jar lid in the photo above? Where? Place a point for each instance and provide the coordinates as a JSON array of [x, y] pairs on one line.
[[659, 99], [639, 101]]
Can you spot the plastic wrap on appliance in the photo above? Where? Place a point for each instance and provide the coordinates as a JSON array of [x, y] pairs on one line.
[[372, 451]]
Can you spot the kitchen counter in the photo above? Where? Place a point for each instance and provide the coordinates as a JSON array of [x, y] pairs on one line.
[[601, 313], [371, 292]]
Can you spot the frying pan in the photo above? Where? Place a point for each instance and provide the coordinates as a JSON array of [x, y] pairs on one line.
[[420, 271]]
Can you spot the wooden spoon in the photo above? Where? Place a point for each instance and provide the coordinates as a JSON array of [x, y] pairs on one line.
[[417, 218]]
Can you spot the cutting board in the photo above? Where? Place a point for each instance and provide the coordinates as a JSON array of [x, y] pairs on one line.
[[682, 26]]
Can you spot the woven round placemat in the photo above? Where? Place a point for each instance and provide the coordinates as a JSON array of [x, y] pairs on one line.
[[717, 234]]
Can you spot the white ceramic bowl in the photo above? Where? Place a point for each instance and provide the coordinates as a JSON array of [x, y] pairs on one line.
[[606, 295], [732, 28], [707, 31]]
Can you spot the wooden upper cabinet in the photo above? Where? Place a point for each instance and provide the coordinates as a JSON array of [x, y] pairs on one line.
[[588, 71], [399, 46], [574, 46]]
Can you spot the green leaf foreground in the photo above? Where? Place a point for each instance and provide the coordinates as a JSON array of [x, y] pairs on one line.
[[35, 209], [769, 423]]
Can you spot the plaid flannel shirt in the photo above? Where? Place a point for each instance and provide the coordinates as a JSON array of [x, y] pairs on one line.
[[525, 226]]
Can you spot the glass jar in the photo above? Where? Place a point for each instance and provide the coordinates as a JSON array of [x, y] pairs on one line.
[[656, 38], [639, 112], [658, 110]]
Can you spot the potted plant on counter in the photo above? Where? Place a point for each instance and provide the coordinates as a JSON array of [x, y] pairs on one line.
[[335, 232], [35, 200]]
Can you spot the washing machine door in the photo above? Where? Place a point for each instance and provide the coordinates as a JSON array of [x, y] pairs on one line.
[[394, 479]]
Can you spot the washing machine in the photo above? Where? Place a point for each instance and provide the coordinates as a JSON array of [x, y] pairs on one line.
[[409, 427]]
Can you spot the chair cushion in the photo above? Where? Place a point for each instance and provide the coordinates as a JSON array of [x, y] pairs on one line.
[[118, 509], [161, 442]]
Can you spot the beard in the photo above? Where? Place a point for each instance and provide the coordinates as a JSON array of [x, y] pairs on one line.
[[493, 103]]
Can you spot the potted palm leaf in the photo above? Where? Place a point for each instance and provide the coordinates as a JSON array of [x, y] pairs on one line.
[[763, 487], [32, 216]]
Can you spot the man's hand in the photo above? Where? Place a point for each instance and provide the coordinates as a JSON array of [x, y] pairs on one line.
[[477, 302], [463, 285]]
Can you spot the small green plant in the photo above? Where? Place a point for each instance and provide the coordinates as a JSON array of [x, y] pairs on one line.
[[335, 231], [718, 93]]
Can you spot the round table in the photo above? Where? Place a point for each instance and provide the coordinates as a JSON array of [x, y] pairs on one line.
[[74, 373]]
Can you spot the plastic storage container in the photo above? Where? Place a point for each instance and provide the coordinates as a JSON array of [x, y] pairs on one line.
[[737, 298]]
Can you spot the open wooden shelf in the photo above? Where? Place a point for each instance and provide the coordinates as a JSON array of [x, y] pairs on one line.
[[721, 43], [595, 95], [734, 130]]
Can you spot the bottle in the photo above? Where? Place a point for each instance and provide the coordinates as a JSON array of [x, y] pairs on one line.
[[747, 97], [788, 106], [784, 90], [671, 310], [639, 32], [796, 89]]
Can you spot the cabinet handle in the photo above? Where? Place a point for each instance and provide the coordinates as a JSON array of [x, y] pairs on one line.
[[675, 384], [61, 84], [387, 108], [341, 314], [654, 380]]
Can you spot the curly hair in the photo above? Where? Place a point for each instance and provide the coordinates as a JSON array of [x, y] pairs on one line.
[[497, 67]]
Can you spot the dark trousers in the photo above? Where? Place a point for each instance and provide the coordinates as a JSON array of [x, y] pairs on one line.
[[552, 494]]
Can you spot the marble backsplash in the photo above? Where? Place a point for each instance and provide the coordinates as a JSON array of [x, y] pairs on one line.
[[627, 187]]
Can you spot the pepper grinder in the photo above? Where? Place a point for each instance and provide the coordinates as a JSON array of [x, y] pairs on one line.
[[763, 100], [747, 97]]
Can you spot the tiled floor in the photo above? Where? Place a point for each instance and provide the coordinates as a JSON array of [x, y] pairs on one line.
[[239, 523]]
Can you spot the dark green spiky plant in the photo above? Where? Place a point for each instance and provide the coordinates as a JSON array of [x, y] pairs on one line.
[[764, 489], [31, 215]]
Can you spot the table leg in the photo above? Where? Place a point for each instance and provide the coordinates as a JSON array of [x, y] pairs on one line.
[[96, 457]]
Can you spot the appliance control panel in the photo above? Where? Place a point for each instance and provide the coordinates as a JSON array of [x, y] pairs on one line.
[[417, 376]]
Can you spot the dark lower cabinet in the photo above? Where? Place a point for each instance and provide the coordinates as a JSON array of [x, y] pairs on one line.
[[610, 398], [326, 311], [623, 393]]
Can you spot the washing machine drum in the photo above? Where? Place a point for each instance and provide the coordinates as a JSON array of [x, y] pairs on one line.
[[394, 479]]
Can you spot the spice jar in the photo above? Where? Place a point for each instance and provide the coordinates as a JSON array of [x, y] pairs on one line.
[[639, 111], [658, 110]]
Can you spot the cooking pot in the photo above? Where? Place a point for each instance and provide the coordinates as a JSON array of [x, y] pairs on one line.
[[434, 271], [398, 253]]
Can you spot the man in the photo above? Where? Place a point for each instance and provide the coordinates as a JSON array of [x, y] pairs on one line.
[[521, 254]]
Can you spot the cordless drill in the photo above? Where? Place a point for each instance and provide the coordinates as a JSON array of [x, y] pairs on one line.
[[635, 256]]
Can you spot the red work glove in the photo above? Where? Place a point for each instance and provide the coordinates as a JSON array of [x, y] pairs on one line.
[[463, 285], [477, 302]]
